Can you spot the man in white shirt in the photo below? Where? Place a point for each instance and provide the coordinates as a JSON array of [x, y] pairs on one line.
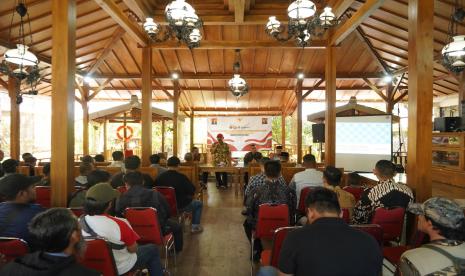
[[118, 159], [308, 178]]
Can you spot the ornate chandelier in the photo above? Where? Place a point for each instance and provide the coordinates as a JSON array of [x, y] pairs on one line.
[[183, 23], [238, 85], [304, 22], [453, 54], [19, 63]]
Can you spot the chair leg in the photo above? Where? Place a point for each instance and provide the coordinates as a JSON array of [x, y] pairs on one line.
[[166, 257], [251, 254]]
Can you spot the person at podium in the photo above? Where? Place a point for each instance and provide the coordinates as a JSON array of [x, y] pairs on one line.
[[221, 158]]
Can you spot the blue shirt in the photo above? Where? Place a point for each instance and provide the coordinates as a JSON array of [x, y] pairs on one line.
[[15, 217]]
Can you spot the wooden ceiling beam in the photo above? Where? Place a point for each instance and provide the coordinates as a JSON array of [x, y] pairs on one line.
[[354, 21], [117, 35], [222, 109], [249, 76], [378, 59], [98, 89], [240, 44], [341, 6], [375, 89], [312, 89], [139, 8], [239, 11], [4, 84], [123, 20]]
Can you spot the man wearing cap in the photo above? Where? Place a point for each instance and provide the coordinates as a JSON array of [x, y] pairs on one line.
[[18, 209], [443, 221], [221, 158], [123, 239]]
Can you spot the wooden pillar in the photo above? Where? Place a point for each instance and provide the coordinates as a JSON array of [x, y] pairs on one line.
[[125, 133], [105, 137], [85, 119], [146, 105], [63, 85], [330, 114], [192, 130], [298, 95], [177, 91], [461, 79], [283, 130], [15, 120], [420, 97], [390, 98], [162, 135]]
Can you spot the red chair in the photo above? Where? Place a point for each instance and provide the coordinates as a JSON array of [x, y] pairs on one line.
[[43, 196], [303, 196], [99, 256], [170, 195], [345, 215], [271, 256], [144, 221], [270, 217], [122, 189], [373, 229], [77, 211], [13, 248], [355, 191], [393, 253], [392, 222]]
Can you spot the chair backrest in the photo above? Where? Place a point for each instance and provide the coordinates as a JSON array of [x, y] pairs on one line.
[[110, 170], [145, 223], [99, 256], [13, 248], [170, 195], [187, 171], [355, 191], [43, 196], [77, 211], [345, 215], [24, 170], [271, 217], [102, 164], [278, 239], [373, 229], [303, 196], [38, 170], [392, 222], [254, 170], [76, 171], [150, 171], [288, 172]]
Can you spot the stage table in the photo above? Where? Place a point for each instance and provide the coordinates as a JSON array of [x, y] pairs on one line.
[[236, 171]]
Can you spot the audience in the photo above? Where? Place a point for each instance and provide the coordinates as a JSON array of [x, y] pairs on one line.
[[273, 191], [284, 157], [138, 196], [188, 157], [29, 161], [45, 181], [131, 164], [127, 253], [327, 246], [118, 157], [57, 240], [185, 192], [311, 177], [155, 163], [354, 180], [196, 156], [88, 159], [252, 157], [444, 222], [387, 193], [276, 155], [99, 158], [78, 198], [84, 169], [332, 180], [19, 208], [10, 166]]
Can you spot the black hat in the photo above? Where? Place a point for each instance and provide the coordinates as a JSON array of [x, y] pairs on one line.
[[12, 184]]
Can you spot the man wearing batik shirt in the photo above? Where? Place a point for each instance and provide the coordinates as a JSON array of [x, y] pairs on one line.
[[221, 158], [387, 193]]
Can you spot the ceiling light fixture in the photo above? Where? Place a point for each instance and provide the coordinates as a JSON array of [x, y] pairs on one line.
[[237, 85], [304, 22], [453, 54], [183, 23]]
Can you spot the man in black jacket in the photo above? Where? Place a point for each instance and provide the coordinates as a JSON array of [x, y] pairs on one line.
[[139, 196], [57, 237]]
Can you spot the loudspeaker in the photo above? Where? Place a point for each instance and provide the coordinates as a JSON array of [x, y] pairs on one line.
[[447, 124], [318, 133]]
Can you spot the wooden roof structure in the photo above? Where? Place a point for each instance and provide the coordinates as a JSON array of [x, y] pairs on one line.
[[109, 38]]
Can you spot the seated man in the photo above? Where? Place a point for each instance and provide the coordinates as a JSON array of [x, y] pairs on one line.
[[155, 163], [131, 164], [30, 161], [10, 166], [188, 157], [88, 159], [118, 158], [354, 180], [252, 157], [127, 254], [99, 158], [18, 209], [45, 181], [444, 222], [332, 181], [284, 158], [196, 156], [78, 198], [311, 177], [185, 192], [84, 169], [56, 236], [328, 246], [273, 191], [138, 196], [276, 155], [387, 193]]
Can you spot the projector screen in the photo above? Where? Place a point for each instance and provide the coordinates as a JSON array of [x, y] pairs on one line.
[[363, 140]]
